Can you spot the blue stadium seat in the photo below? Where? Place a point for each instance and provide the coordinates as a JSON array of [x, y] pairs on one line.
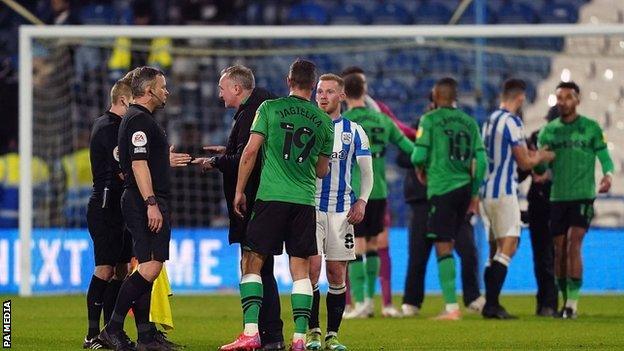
[[422, 88], [349, 14], [542, 43], [391, 13], [517, 13], [97, 14], [401, 63], [445, 62], [307, 13], [558, 13], [469, 15], [433, 13], [391, 89]]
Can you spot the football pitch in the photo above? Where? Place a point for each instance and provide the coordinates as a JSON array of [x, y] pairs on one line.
[[207, 321]]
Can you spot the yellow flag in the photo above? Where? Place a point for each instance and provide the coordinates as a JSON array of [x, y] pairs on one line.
[[160, 309]]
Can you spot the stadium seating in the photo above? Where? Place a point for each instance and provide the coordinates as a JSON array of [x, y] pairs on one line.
[[433, 13], [350, 14], [403, 77], [391, 13]]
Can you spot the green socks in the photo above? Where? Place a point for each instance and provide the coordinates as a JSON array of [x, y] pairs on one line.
[[357, 278], [301, 300], [251, 300], [573, 288], [372, 271], [446, 273], [561, 284]]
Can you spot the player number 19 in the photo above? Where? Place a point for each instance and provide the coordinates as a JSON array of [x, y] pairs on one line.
[[296, 136]]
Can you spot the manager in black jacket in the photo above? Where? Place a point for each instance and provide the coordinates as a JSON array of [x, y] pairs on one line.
[[237, 90]]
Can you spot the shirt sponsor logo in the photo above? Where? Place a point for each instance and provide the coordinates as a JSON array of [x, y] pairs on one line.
[[140, 150], [419, 133], [346, 138], [116, 153], [139, 139]]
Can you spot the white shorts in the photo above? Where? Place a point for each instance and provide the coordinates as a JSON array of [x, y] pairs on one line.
[[502, 217], [334, 236]]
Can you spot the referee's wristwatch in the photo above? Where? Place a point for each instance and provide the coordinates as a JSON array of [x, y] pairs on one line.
[[151, 201]]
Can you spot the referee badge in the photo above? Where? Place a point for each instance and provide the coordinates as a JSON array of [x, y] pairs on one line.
[[139, 139], [116, 153], [346, 138]]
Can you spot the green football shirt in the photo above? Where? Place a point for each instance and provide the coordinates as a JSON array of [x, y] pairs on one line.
[[575, 146], [452, 139], [296, 132], [381, 131]]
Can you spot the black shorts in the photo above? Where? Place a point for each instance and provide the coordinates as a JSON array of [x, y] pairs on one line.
[[447, 212], [274, 223], [112, 244], [566, 214], [374, 219], [147, 245]]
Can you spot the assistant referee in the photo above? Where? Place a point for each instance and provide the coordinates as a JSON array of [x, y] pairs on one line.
[[144, 159], [112, 245]]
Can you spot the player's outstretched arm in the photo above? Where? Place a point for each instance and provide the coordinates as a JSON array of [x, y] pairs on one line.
[[479, 171], [247, 162], [419, 156], [528, 160], [322, 166]]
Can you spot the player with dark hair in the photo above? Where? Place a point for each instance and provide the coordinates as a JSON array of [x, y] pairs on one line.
[[381, 131], [576, 141], [504, 138], [112, 245], [447, 145], [144, 156], [297, 140], [383, 244]]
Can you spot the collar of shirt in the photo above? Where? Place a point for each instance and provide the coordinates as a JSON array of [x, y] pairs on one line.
[[112, 114], [338, 120], [298, 97], [142, 108]]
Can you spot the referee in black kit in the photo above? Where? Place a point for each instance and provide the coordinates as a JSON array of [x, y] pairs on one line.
[[237, 90], [112, 245], [144, 158]]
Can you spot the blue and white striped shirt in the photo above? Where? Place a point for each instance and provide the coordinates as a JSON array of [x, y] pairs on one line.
[[334, 192], [501, 132]]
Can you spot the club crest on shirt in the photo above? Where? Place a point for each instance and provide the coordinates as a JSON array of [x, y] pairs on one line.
[[116, 153], [346, 137], [419, 133], [139, 139]]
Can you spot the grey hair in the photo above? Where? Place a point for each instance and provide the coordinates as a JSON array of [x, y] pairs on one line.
[[241, 75], [143, 77]]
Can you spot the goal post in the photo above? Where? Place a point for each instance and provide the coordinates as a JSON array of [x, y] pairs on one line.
[[387, 38]]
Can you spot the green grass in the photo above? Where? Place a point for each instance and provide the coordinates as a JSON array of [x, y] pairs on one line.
[[205, 322]]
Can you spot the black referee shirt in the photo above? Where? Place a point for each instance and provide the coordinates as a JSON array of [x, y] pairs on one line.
[[141, 138], [104, 154]]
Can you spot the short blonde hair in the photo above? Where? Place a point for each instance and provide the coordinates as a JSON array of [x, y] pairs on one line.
[[119, 89], [336, 78]]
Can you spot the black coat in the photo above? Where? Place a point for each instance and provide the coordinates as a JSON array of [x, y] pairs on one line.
[[228, 163], [413, 190]]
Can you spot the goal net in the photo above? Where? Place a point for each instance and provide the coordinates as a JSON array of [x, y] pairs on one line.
[[69, 72]]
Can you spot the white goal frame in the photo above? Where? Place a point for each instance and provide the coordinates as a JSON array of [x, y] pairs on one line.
[[28, 32]]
